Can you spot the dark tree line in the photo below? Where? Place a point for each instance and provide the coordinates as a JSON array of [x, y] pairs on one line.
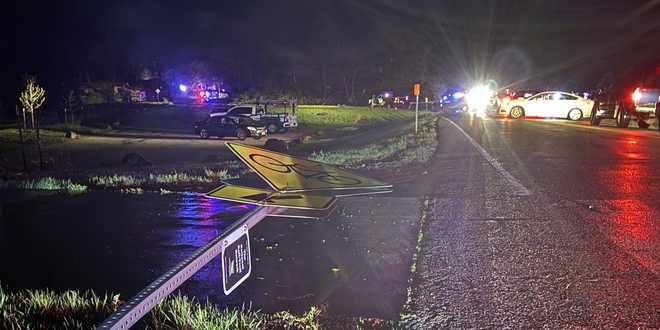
[[338, 51]]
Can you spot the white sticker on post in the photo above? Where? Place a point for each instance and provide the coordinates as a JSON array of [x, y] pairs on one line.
[[236, 262]]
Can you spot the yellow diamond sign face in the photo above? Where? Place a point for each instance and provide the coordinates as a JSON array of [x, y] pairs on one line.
[[285, 173], [264, 197]]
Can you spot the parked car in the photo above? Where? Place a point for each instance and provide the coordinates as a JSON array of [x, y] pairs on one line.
[[401, 102], [274, 122], [229, 126], [553, 104], [634, 99]]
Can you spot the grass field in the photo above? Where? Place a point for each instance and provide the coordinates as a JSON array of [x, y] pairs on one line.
[[407, 145], [347, 116], [10, 138], [169, 119]]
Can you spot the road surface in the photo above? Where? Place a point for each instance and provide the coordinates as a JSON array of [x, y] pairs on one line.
[[539, 224]]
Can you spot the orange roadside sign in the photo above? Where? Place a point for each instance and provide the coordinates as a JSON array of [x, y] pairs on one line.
[[417, 88]]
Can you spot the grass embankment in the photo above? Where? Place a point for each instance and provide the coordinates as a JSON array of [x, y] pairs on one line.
[[327, 117], [313, 118], [407, 147], [321, 120], [10, 138], [78, 129], [45, 309]]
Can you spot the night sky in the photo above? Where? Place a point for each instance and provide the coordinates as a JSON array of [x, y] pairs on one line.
[[321, 46]]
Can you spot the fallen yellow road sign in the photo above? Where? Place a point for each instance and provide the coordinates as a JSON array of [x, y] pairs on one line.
[[285, 173], [264, 197]]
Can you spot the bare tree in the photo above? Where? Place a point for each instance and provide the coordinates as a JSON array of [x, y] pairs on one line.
[[32, 97], [349, 85], [69, 102]]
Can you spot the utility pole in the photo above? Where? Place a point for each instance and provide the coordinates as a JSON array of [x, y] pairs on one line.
[[41, 161], [416, 91]]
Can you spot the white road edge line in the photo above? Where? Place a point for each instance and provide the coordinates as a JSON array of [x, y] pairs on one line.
[[518, 187]]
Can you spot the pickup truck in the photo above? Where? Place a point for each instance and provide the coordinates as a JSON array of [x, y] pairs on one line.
[[638, 101], [274, 122]]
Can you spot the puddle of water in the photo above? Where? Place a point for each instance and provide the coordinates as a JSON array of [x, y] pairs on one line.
[[105, 241], [111, 242]]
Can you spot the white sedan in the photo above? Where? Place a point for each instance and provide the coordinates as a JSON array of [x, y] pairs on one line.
[[549, 105]]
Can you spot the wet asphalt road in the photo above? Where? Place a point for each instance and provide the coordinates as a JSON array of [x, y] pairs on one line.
[[578, 247]]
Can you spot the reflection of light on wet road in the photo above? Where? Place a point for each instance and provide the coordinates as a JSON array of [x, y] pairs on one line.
[[195, 207], [631, 148], [633, 224], [197, 220], [633, 229], [200, 219]]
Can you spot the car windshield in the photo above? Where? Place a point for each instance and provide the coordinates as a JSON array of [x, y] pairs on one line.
[[330, 164]]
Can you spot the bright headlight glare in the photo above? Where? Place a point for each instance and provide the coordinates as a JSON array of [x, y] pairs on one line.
[[478, 98]]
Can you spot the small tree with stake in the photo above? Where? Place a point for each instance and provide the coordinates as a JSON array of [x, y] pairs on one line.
[[32, 98]]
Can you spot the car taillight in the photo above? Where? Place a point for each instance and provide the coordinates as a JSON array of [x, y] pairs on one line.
[[637, 95]]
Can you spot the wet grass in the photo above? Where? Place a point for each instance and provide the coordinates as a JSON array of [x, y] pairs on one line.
[[180, 312], [46, 309], [131, 183], [115, 180], [175, 177], [370, 152], [309, 320], [51, 184]]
